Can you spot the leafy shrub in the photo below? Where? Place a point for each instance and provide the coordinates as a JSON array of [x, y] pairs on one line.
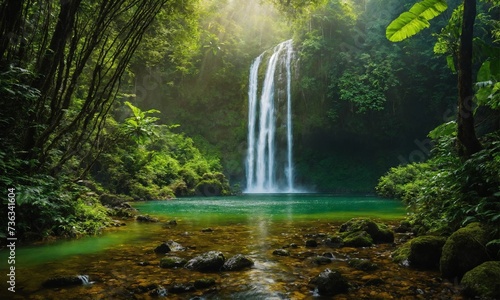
[[444, 193]]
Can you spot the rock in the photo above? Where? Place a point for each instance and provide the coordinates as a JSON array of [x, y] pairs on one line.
[[65, 281], [464, 250], [159, 291], [172, 222], [207, 230], [380, 233], [362, 264], [204, 283], [334, 242], [172, 262], [311, 243], [329, 283], [329, 255], [174, 246], [358, 239], [144, 263], [237, 262], [146, 218], [425, 251], [211, 261], [483, 281], [162, 248], [281, 252]]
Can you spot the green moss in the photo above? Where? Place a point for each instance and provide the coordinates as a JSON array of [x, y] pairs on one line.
[[401, 254], [464, 250], [171, 262], [425, 251], [483, 281], [379, 233], [358, 239]]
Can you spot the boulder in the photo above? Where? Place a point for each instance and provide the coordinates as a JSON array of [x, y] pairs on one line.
[[329, 283], [464, 250], [172, 262], [425, 251], [380, 233], [211, 261], [237, 262], [483, 281]]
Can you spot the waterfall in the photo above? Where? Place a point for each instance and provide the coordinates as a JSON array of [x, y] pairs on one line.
[[269, 164]]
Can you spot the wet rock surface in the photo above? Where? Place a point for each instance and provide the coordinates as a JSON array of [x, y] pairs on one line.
[[211, 261], [237, 262]]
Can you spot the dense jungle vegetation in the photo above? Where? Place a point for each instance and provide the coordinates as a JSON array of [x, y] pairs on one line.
[[146, 99]]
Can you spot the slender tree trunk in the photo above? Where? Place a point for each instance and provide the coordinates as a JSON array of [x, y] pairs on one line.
[[10, 26], [469, 143]]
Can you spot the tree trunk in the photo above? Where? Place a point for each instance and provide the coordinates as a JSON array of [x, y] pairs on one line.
[[469, 144]]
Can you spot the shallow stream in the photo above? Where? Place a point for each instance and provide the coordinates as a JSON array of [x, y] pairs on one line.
[[121, 262]]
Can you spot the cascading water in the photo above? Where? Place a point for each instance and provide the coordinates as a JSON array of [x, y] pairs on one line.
[[269, 165]]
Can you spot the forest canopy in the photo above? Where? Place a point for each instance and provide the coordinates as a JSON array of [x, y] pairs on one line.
[[147, 98]]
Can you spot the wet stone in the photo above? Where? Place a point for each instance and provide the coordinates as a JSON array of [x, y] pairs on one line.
[[281, 252], [237, 262], [162, 248], [211, 261]]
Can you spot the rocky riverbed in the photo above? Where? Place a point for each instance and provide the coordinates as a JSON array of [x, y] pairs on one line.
[[241, 261]]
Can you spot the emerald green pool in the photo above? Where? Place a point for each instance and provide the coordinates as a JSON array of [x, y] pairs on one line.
[[297, 207]]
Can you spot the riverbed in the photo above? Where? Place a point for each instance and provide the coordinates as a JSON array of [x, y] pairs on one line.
[[121, 263]]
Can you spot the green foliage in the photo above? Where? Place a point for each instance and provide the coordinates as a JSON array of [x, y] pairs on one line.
[[445, 193], [415, 20], [47, 206], [152, 169]]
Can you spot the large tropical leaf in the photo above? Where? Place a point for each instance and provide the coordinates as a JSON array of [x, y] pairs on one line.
[[413, 21]]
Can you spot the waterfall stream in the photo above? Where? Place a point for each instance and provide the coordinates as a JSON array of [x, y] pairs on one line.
[[269, 163]]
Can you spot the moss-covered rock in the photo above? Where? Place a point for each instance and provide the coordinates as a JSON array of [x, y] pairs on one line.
[[464, 250], [483, 281], [425, 251], [358, 239], [172, 262], [379, 233], [422, 252]]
